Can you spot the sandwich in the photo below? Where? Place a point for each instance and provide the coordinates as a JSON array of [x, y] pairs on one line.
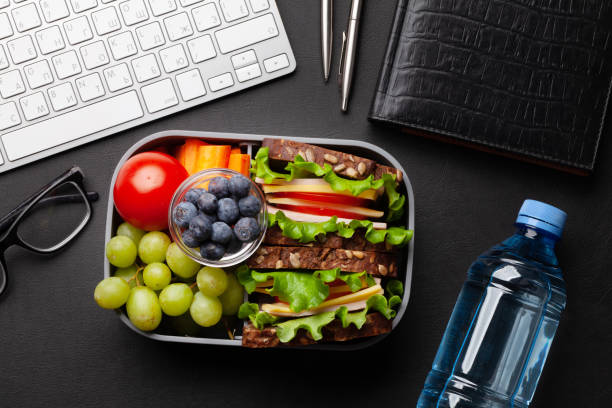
[[328, 268]]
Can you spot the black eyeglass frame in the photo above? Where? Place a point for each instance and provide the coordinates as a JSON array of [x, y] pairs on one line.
[[9, 235]]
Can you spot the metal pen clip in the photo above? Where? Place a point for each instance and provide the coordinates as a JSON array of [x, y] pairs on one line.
[[342, 59]]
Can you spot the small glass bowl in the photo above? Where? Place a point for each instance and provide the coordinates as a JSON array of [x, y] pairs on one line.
[[247, 249]]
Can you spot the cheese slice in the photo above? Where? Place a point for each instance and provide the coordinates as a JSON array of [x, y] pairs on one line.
[[315, 188], [302, 217], [366, 212], [360, 305], [362, 295]]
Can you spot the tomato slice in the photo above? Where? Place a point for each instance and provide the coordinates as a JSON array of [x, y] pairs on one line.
[[327, 198], [320, 210]]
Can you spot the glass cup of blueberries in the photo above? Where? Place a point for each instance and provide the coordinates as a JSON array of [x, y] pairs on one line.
[[218, 217]]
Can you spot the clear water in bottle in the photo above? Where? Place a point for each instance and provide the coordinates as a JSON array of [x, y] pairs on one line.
[[499, 334]]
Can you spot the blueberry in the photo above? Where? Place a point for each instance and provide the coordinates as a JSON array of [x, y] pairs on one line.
[[234, 245], [239, 186], [207, 203], [212, 251], [221, 233], [189, 239], [246, 229], [201, 227], [183, 213], [228, 211], [219, 187], [249, 206], [193, 195], [212, 217]]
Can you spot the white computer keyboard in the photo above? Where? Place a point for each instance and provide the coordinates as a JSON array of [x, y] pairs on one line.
[[72, 71]]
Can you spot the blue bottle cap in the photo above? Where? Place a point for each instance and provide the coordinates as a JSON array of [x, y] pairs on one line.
[[542, 216]]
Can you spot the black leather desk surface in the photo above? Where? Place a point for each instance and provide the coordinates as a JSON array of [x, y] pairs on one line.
[[57, 348]]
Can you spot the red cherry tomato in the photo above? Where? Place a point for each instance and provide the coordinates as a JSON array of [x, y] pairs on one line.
[[144, 188]]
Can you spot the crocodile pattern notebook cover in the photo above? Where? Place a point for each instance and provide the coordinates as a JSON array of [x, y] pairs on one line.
[[525, 78]]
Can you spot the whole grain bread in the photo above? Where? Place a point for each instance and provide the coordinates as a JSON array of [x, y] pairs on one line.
[[344, 164], [375, 325], [358, 242], [286, 257]]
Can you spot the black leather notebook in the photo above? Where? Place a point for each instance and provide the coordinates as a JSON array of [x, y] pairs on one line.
[[525, 78]]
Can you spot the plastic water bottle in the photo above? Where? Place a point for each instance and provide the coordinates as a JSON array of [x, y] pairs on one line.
[[504, 321]]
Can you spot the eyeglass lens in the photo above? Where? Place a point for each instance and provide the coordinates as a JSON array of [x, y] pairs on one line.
[[55, 218]]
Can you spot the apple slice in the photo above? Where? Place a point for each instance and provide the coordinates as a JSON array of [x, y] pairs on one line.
[[302, 217]]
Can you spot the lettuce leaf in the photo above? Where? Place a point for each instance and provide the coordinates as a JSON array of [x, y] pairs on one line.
[[302, 290], [394, 287], [300, 168], [259, 318], [306, 232]]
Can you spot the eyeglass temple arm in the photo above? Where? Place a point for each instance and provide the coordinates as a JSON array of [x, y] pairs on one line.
[[8, 219]]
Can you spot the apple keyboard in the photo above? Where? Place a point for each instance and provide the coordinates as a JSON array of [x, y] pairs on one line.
[[73, 71]]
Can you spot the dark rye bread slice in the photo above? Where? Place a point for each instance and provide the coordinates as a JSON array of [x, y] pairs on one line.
[[358, 242], [280, 257], [344, 164], [375, 325]]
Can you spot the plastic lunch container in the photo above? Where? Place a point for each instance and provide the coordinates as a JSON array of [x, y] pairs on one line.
[[249, 144]]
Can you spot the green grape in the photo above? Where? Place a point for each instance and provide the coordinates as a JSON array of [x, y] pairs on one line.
[[156, 275], [112, 293], [153, 247], [130, 231], [143, 308], [128, 273], [175, 299], [233, 296], [205, 310], [212, 281], [180, 263], [121, 251]]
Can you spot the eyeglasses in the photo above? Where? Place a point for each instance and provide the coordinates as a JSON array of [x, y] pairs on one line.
[[47, 220]]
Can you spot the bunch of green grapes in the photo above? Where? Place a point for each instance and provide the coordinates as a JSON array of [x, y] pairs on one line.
[[155, 276]]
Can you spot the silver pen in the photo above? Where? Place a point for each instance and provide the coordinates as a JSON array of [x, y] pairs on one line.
[[349, 51], [327, 35]]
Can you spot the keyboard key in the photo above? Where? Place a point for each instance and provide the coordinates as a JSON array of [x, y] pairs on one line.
[[276, 63], [159, 96], [38, 74], [5, 26], [201, 48], [133, 12], [243, 59], [81, 5], [26, 17], [21, 49], [106, 20], [186, 3], [161, 7], [173, 58], [150, 36], [62, 96], [146, 68], [72, 125], [9, 116], [118, 77], [178, 26], [78, 30], [259, 5], [94, 55], [34, 106], [247, 73], [233, 9], [90, 87], [206, 17], [247, 33], [3, 59], [221, 82], [11, 84], [190, 84], [53, 10], [49, 40], [122, 45], [66, 64]]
